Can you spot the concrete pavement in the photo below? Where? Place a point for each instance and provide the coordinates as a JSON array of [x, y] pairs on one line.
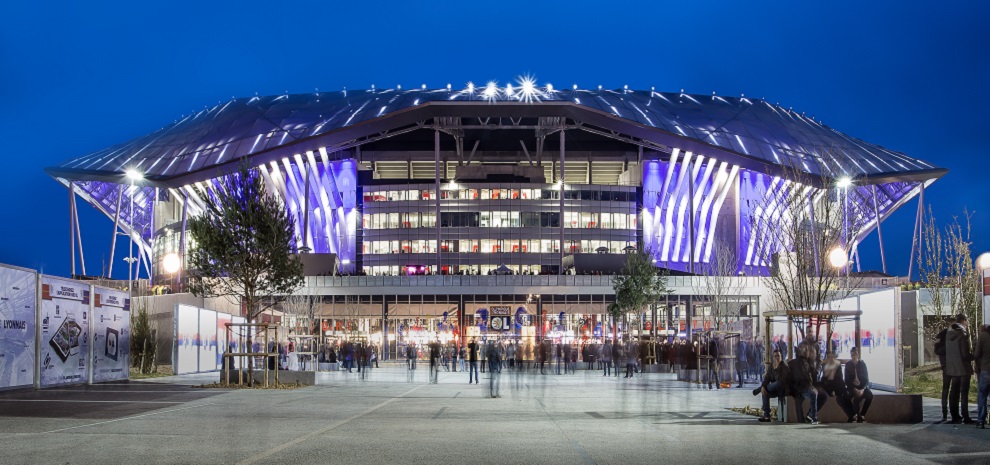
[[395, 416]]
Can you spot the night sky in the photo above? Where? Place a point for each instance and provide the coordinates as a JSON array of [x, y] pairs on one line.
[[76, 77]]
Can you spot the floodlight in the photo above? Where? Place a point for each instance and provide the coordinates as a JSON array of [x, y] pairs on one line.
[[838, 258]]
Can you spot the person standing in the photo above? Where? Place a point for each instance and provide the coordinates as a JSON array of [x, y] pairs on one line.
[[606, 358], [494, 356], [473, 361], [713, 362], [858, 386], [946, 379], [742, 365], [982, 356], [959, 367], [453, 355]]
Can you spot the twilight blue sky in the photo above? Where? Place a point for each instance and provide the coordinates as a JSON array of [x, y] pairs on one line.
[[76, 77]]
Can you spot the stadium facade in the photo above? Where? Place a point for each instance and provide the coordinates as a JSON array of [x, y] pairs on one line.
[[431, 201]]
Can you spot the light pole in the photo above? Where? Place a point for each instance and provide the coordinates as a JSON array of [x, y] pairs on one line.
[[133, 175], [983, 264], [844, 183]]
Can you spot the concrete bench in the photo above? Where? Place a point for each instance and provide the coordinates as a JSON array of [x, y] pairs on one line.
[[887, 407]]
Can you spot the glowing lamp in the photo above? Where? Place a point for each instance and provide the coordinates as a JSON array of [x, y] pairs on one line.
[[838, 258], [171, 263], [983, 261]]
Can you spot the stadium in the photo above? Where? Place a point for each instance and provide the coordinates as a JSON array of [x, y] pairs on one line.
[[415, 204]]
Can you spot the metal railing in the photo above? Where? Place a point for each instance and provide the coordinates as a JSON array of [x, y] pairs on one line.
[[673, 282]]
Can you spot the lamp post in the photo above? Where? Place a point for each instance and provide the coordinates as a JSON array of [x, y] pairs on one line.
[[839, 259], [844, 183], [133, 175], [983, 264]]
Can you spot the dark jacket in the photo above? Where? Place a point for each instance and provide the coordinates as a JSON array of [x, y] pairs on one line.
[[982, 352], [940, 347], [958, 352], [799, 371], [857, 372], [472, 351], [775, 375]]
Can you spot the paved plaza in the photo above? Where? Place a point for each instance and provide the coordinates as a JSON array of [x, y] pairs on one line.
[[394, 418]]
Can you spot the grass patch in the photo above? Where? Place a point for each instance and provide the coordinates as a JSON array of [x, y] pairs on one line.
[[271, 385], [927, 381], [160, 372]]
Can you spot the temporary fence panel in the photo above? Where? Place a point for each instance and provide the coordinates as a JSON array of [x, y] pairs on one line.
[[65, 310], [111, 335], [18, 327]]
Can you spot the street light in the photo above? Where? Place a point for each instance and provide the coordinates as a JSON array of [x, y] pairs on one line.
[[983, 264], [838, 258], [844, 182], [133, 175]]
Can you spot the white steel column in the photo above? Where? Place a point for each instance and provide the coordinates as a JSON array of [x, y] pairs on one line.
[[876, 212], [918, 219], [116, 223], [75, 215], [72, 230], [182, 241]]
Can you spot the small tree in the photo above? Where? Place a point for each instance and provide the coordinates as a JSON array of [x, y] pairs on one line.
[[144, 344], [638, 286], [244, 244]]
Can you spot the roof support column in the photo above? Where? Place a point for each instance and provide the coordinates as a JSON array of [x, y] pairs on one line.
[[436, 193], [182, 241], [876, 212], [918, 219], [560, 193], [116, 223], [304, 170], [693, 208], [75, 215], [72, 230]]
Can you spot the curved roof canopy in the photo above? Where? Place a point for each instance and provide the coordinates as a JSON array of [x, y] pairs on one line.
[[750, 132]]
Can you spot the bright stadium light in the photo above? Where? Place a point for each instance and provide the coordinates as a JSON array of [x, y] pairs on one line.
[[491, 91], [838, 258], [171, 263], [134, 175], [844, 182]]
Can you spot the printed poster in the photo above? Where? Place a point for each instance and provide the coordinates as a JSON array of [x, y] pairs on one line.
[[65, 315], [18, 293], [111, 335], [186, 337], [207, 340]]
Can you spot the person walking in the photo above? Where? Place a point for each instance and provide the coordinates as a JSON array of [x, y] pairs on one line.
[[959, 367], [858, 386], [473, 361], [494, 356], [982, 358], [435, 362]]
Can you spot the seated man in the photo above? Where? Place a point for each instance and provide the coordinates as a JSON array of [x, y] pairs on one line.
[[858, 386], [774, 383], [802, 386], [833, 384]]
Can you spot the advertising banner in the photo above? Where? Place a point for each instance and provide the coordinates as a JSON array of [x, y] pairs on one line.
[[18, 293], [65, 307], [207, 340], [186, 339], [111, 335]]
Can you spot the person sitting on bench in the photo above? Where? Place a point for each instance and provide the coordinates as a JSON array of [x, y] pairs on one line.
[[774, 383], [858, 386]]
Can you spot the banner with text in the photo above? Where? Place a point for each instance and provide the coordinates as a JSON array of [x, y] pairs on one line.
[[18, 296], [111, 335], [65, 307]]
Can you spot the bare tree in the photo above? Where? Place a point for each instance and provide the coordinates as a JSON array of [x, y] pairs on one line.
[[803, 223], [947, 272], [719, 283], [303, 307]]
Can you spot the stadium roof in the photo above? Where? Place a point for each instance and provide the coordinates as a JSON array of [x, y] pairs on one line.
[[750, 132]]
